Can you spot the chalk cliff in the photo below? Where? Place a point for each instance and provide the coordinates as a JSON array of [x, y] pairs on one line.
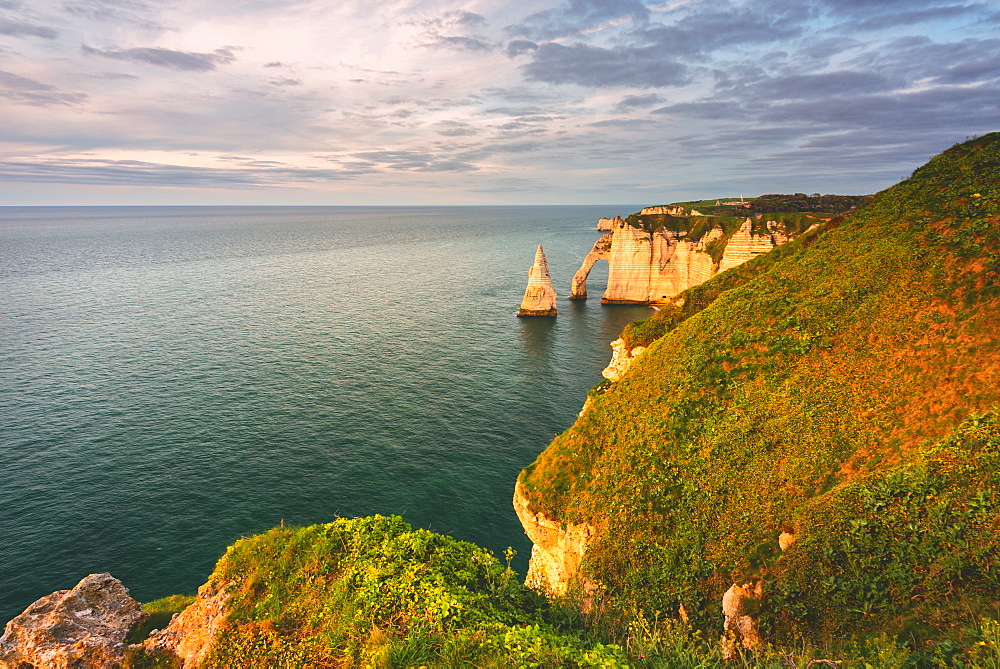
[[607, 224], [556, 551], [539, 297], [744, 245], [602, 246], [650, 265], [821, 418]]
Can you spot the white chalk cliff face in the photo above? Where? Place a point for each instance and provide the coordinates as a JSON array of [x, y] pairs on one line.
[[743, 245], [556, 550], [653, 267], [539, 296]]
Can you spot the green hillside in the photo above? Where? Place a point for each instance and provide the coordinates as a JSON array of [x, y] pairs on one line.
[[840, 389], [373, 592]]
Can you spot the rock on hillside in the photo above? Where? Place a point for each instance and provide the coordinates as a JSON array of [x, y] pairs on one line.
[[835, 393], [82, 627]]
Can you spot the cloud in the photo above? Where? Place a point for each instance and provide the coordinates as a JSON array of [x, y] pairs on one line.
[[136, 12], [620, 123], [708, 31], [865, 6], [577, 16], [520, 46], [177, 60], [19, 29], [434, 32], [918, 58], [842, 83], [599, 67], [987, 67], [451, 19], [454, 129], [418, 161], [102, 172], [30, 92], [456, 43], [881, 21], [630, 102]]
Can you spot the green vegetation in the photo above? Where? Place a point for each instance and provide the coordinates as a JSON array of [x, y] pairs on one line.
[[841, 389], [372, 592], [375, 592], [821, 205], [160, 612], [800, 202]]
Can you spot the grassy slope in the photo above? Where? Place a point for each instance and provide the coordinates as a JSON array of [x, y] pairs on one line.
[[805, 391], [374, 592]]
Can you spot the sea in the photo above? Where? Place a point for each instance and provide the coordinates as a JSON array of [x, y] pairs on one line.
[[175, 378]]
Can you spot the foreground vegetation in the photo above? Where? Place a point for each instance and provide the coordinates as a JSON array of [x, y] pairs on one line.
[[374, 592]]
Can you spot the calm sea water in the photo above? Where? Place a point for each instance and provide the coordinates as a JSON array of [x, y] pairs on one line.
[[174, 378]]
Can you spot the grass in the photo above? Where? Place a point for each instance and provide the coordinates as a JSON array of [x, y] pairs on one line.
[[842, 389], [375, 592], [780, 395]]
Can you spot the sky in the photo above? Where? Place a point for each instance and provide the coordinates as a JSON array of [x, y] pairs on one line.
[[438, 102]]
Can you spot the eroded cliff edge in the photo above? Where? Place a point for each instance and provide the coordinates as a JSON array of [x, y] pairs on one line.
[[839, 390], [658, 253]]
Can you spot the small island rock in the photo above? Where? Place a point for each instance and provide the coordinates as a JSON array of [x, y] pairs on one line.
[[539, 296]]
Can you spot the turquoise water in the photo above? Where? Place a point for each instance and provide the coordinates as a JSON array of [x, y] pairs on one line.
[[174, 378]]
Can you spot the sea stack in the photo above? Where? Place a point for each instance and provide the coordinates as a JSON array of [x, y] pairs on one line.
[[539, 296]]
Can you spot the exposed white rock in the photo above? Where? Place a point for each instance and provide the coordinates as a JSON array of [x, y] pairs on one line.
[[740, 627], [785, 540], [621, 359], [606, 224], [557, 549], [669, 209], [82, 627], [539, 296], [578, 290], [653, 267], [744, 245]]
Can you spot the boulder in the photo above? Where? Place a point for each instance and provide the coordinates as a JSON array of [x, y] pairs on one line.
[[82, 627]]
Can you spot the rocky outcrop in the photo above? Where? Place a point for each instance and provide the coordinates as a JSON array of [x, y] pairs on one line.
[[578, 290], [606, 224], [189, 636], [539, 297], [739, 627], [557, 549], [621, 359], [82, 627], [668, 209], [652, 267], [744, 245]]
